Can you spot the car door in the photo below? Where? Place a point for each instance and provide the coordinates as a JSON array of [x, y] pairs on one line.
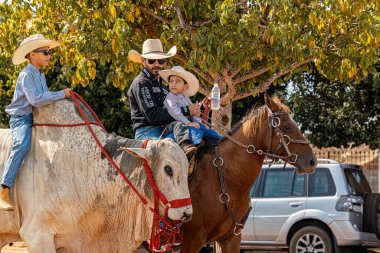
[[282, 193]]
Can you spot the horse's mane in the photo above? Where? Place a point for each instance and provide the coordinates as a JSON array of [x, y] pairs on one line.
[[256, 114]]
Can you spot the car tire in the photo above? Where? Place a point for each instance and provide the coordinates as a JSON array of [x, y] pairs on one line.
[[309, 238], [371, 214]]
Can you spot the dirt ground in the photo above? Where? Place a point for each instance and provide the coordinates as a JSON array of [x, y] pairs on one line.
[[19, 247]]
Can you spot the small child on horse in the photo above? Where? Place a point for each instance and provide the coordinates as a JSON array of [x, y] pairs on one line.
[[183, 85]]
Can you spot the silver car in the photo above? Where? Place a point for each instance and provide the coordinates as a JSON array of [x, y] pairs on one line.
[[330, 211]]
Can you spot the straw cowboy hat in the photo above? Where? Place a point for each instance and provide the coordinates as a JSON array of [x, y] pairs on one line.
[[152, 49], [190, 78], [29, 44]]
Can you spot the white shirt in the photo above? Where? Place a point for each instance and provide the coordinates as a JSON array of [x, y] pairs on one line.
[[173, 102]]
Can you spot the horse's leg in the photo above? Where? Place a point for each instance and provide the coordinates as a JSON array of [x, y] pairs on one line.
[[192, 244], [231, 245]]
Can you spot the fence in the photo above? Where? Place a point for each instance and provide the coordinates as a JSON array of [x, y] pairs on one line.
[[362, 155]]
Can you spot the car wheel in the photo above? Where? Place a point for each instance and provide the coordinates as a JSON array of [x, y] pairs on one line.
[[371, 214], [311, 239]]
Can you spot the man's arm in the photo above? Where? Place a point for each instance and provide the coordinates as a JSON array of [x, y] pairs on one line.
[[147, 104]]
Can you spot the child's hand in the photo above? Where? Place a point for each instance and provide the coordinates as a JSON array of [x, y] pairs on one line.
[[67, 93], [194, 124]]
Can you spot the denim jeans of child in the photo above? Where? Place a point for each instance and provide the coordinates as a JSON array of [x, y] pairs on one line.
[[21, 128], [175, 130], [207, 134]]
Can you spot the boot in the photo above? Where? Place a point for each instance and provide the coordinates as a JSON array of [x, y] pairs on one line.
[[188, 148], [5, 203]]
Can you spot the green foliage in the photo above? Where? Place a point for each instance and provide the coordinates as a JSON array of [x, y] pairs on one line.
[[245, 46], [336, 114], [109, 103], [213, 36]]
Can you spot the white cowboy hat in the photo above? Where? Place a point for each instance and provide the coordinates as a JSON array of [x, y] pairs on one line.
[[29, 44], [190, 78], [152, 49]]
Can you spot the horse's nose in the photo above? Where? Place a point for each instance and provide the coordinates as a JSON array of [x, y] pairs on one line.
[[313, 162], [186, 216]]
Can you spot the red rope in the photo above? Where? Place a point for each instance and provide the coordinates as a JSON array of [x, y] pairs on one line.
[[65, 125], [75, 98], [206, 103], [166, 231]]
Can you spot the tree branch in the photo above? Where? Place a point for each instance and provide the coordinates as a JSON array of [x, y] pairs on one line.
[[232, 91], [151, 13], [264, 86], [179, 14], [235, 72], [252, 74], [68, 21]]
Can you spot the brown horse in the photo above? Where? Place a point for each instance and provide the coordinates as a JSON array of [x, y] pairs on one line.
[[220, 206]]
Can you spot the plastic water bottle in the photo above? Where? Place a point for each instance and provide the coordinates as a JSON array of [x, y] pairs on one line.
[[215, 97]]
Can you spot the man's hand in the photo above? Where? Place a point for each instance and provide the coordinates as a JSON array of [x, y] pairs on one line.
[[194, 124], [195, 110], [67, 93]]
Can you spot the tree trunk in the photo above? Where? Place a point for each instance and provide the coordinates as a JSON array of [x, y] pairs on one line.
[[222, 118]]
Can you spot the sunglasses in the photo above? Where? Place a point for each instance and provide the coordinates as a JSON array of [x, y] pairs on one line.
[[46, 52], [152, 61]]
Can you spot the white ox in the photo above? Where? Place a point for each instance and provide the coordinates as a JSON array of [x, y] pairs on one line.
[[68, 198]]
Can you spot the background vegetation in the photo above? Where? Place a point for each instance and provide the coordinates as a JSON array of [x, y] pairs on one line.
[[245, 46]]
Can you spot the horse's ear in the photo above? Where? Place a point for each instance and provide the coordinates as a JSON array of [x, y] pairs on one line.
[[269, 102]]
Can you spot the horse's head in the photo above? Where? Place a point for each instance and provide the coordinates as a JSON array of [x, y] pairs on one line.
[[169, 167], [286, 140]]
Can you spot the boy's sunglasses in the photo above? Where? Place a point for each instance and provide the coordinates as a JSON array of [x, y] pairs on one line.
[[160, 61], [46, 52]]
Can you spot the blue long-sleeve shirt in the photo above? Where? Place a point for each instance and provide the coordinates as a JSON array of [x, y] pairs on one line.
[[31, 90]]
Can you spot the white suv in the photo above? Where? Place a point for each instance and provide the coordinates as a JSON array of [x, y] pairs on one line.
[[330, 211]]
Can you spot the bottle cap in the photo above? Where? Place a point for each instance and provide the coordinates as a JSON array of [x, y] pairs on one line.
[[216, 85]]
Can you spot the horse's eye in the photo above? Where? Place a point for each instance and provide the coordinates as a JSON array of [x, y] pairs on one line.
[[168, 171], [286, 127]]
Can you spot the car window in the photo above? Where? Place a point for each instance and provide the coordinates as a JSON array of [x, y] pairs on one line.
[[321, 183], [357, 183], [283, 183]]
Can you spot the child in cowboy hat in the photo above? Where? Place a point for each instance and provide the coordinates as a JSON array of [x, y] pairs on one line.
[[183, 85], [31, 91], [147, 94]]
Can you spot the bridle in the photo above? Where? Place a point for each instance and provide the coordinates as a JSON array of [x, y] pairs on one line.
[[274, 122]]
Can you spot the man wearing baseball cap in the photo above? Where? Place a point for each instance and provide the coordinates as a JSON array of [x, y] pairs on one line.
[[31, 91]]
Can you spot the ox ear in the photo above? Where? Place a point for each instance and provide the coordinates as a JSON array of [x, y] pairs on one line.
[[139, 152], [270, 102]]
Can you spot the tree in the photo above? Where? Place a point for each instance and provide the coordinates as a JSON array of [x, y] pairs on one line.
[[337, 114], [245, 46]]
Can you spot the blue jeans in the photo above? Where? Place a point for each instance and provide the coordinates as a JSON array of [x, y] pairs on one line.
[[178, 131], [21, 128], [148, 132], [208, 134]]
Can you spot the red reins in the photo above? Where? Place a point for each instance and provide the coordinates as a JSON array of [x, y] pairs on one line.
[[167, 231]]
